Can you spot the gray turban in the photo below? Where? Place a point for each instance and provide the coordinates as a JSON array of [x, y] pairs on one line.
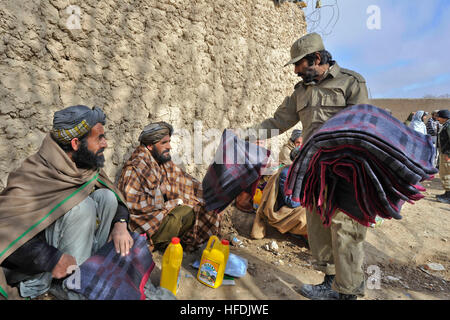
[[75, 122], [154, 132], [296, 134]]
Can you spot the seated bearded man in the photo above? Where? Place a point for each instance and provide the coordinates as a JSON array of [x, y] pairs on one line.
[[59, 208], [164, 201]]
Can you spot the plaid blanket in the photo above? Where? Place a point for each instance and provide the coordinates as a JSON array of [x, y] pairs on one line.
[[237, 165], [152, 191], [109, 276], [364, 162]]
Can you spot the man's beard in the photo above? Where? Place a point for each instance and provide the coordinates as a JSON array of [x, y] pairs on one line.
[[309, 75], [161, 157], [86, 159]]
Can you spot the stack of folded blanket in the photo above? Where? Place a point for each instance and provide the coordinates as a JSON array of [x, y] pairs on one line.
[[363, 162], [237, 165]]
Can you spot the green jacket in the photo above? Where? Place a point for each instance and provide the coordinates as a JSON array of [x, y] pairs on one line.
[[315, 103], [444, 139]]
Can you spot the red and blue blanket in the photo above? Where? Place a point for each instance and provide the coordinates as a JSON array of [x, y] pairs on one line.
[[109, 276], [237, 165], [363, 162]]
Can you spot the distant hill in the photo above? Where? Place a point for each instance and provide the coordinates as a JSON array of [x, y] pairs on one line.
[[401, 108]]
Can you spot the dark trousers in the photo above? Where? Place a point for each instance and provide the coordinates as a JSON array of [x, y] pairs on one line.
[[175, 224]]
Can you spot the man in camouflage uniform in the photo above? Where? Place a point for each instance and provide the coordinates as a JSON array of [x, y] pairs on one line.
[[325, 90]]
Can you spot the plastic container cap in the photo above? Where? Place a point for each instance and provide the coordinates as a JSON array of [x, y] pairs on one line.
[[225, 242], [175, 240]]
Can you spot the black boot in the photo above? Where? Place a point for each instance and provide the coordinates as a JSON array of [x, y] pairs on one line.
[[321, 291], [343, 296], [445, 198]]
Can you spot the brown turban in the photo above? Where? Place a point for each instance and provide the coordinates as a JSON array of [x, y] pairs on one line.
[[154, 132]]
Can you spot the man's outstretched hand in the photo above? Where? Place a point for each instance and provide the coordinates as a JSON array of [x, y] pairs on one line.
[[121, 238]]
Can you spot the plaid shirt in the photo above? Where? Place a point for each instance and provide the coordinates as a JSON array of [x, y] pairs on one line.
[[152, 191]]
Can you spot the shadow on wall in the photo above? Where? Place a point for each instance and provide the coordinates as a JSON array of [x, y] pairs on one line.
[[141, 61]]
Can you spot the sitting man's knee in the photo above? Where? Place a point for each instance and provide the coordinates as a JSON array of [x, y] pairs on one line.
[[104, 194], [83, 213], [105, 198]]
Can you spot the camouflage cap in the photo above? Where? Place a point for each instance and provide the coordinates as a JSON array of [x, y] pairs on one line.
[[312, 42]]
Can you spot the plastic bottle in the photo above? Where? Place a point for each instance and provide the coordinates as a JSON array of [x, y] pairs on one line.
[[171, 264], [234, 240], [213, 262]]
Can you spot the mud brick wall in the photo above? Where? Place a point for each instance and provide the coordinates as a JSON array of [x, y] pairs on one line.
[[218, 64]]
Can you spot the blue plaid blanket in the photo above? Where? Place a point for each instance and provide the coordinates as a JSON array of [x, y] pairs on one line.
[[237, 165], [364, 162], [109, 276]]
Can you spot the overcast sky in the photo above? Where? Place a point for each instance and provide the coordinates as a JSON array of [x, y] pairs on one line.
[[401, 47]]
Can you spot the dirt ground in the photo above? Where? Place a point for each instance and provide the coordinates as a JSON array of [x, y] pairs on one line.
[[399, 249]]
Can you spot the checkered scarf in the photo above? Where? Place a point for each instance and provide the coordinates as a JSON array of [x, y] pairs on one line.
[[364, 162], [152, 191]]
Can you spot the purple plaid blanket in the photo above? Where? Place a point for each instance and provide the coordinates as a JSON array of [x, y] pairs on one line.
[[364, 162], [109, 276], [237, 165]]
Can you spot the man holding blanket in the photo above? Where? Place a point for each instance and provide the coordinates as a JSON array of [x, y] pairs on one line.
[[59, 207], [325, 89]]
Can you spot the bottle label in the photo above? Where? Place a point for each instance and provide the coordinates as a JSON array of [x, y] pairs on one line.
[[208, 272]]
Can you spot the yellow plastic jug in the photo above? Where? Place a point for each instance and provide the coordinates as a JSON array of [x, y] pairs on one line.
[[213, 262], [171, 264], [257, 198]]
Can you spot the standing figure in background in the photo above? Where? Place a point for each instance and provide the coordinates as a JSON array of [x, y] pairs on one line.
[[418, 122], [433, 128], [443, 117], [409, 119]]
